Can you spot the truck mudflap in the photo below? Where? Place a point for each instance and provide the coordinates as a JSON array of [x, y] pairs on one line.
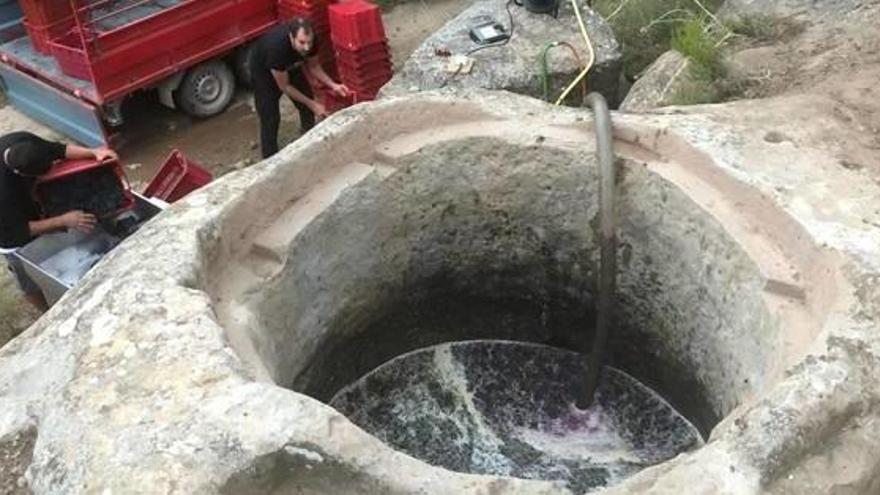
[[71, 116]]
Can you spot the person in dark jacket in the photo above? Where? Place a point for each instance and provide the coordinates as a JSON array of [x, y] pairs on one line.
[[23, 158], [280, 58]]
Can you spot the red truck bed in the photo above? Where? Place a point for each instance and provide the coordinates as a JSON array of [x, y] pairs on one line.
[[111, 48], [119, 51]]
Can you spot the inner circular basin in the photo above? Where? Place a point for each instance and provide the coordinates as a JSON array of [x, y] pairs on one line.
[[508, 408], [481, 238]]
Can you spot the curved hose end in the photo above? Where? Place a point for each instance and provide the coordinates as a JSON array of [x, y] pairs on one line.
[[608, 246], [598, 103]]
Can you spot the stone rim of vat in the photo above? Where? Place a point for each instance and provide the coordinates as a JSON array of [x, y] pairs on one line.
[[134, 386]]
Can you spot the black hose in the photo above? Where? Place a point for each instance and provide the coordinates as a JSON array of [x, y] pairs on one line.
[[607, 250]]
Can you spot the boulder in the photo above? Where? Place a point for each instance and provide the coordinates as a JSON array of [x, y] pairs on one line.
[[181, 362], [514, 66], [658, 83]]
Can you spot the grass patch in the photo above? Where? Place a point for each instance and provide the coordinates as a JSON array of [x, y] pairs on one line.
[[706, 81], [695, 39], [645, 28]]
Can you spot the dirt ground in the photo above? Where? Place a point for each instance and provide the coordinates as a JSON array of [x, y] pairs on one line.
[[15, 456], [839, 58], [222, 143]]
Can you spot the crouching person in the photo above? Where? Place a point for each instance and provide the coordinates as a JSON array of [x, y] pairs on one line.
[[23, 158]]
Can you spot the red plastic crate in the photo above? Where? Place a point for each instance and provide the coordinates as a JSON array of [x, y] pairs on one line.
[[364, 50], [317, 15], [325, 49], [39, 36], [303, 4], [319, 24], [355, 24], [376, 53], [367, 71], [65, 170], [365, 89], [365, 85], [71, 57], [45, 13], [333, 102], [42, 35], [330, 68], [358, 83], [177, 177], [378, 77], [319, 18]]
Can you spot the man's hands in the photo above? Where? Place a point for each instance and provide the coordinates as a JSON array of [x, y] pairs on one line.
[[74, 219], [340, 89], [79, 220], [75, 152], [319, 109], [104, 154]]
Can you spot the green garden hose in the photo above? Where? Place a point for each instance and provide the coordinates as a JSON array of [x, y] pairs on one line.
[[592, 59], [545, 78]]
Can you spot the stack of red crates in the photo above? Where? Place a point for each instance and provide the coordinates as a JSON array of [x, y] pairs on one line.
[[361, 48], [316, 12], [46, 20]]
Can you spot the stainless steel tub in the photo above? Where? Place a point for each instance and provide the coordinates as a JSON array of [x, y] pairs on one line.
[[58, 260]]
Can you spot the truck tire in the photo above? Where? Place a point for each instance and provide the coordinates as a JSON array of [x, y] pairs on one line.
[[243, 65], [206, 89]]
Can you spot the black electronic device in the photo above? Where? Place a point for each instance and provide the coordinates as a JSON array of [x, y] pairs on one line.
[[488, 32], [542, 6]]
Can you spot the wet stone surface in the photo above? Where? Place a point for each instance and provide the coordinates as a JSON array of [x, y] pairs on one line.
[[507, 408]]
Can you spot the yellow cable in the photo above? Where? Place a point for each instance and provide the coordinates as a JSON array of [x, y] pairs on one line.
[[592, 59]]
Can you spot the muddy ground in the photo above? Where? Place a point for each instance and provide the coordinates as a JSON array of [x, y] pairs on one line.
[[222, 143]]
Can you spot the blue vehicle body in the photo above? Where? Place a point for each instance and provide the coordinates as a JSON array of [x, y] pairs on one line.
[[23, 74]]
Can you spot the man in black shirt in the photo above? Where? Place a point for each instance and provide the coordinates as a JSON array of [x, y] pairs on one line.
[[24, 157], [279, 58]]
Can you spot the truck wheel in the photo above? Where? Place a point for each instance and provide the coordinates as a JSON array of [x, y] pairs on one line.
[[243, 65], [206, 89]]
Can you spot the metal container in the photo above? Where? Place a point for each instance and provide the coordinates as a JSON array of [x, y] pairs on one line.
[[58, 260], [542, 6]]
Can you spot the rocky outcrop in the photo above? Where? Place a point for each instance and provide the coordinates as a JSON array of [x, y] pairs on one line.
[[516, 65], [815, 11], [658, 83]]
